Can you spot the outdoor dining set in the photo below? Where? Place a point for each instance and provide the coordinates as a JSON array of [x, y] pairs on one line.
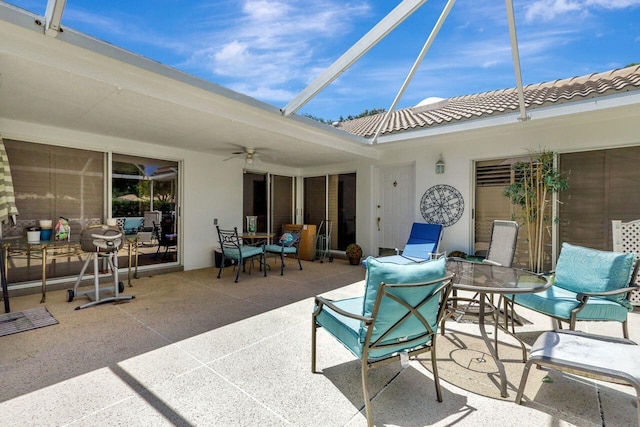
[[407, 297]]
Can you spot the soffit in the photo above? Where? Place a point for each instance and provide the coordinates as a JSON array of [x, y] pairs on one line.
[[50, 82]]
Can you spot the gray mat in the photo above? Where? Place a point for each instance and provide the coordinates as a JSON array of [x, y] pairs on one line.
[[12, 323]]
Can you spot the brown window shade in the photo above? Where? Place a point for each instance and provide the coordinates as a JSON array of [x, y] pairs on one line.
[[51, 181], [315, 199], [603, 185], [282, 208], [492, 176]]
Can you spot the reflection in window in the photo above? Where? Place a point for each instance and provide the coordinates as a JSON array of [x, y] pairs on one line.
[[52, 182], [144, 194]]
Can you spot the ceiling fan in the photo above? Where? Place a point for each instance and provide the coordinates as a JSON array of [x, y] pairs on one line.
[[248, 153]]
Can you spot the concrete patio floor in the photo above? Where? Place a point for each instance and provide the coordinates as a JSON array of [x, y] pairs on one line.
[[192, 349]]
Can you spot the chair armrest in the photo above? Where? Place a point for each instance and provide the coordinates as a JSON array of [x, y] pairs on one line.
[[582, 295], [488, 261], [320, 301]]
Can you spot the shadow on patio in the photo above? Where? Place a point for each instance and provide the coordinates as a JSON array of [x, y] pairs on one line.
[[191, 349]]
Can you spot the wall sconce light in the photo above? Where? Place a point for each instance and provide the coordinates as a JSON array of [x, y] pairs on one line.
[[440, 165]]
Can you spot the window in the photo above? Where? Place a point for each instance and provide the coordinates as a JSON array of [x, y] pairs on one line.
[[340, 209], [52, 182], [145, 191], [603, 185]]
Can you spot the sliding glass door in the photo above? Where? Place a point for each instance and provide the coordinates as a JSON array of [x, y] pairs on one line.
[[144, 202], [331, 199]]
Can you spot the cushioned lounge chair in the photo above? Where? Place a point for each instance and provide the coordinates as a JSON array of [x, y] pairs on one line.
[[424, 241], [398, 314]]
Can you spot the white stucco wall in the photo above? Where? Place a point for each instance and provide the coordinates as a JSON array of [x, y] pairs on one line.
[[611, 128], [212, 188]]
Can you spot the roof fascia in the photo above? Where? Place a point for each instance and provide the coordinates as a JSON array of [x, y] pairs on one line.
[[320, 133], [552, 111], [25, 19]]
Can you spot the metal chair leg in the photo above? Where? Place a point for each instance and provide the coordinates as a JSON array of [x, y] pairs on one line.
[[365, 392]]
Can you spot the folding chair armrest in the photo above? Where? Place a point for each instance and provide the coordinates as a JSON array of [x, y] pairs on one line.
[[606, 338], [320, 301]]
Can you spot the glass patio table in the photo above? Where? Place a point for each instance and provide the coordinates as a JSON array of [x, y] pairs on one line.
[[51, 250], [489, 279]]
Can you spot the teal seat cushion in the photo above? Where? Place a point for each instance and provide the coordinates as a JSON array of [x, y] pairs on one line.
[[279, 249], [132, 225], [347, 330], [247, 251], [391, 311], [559, 302], [582, 269], [344, 329]]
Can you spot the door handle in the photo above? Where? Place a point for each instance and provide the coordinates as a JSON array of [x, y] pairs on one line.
[[378, 223]]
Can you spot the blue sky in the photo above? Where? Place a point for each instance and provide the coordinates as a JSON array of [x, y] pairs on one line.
[[272, 49]]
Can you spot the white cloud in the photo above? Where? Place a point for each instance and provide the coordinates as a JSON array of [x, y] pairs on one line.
[[274, 43], [547, 10]]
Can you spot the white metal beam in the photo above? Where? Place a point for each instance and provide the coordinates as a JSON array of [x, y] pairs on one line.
[[416, 64], [516, 58], [355, 52], [53, 17]]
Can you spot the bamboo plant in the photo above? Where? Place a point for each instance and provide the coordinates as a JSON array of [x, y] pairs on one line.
[[536, 181]]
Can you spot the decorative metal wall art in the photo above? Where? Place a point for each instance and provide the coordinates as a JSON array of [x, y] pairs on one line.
[[442, 204]]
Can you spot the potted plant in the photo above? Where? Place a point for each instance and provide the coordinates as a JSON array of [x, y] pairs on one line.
[[457, 254], [354, 253], [537, 180]]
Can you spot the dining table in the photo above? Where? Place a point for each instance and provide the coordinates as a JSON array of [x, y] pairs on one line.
[[487, 280], [257, 238]]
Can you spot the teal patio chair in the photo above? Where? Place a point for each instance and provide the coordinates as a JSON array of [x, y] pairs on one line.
[[589, 285], [398, 314], [288, 244], [232, 248]]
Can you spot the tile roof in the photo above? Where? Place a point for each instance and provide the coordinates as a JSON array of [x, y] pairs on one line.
[[491, 104]]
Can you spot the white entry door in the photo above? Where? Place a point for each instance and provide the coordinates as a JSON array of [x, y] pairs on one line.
[[396, 207]]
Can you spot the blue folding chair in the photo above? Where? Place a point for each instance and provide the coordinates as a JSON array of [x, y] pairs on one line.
[[424, 241]]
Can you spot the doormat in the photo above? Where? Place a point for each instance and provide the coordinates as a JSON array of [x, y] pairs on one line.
[[34, 318]]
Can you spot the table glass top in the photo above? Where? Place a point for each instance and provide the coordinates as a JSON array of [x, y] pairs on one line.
[[489, 278]]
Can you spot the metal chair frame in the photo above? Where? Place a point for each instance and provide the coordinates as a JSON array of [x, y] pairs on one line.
[[280, 249], [230, 242], [412, 349]]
